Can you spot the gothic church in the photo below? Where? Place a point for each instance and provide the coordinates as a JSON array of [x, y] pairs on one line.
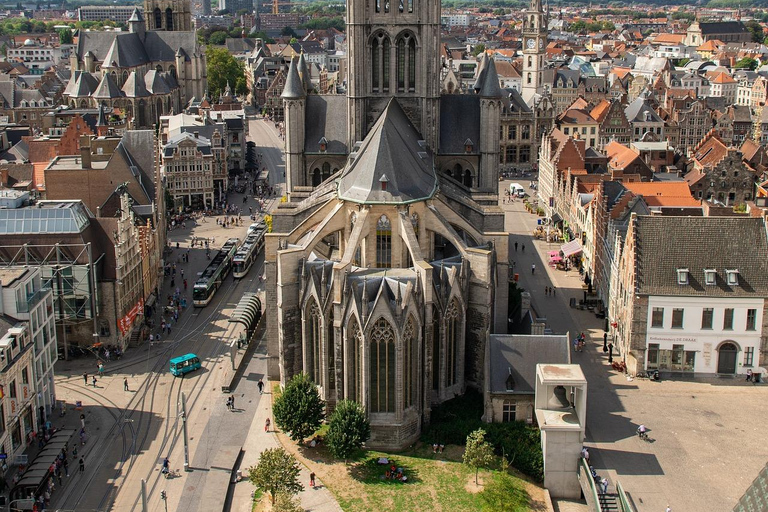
[[387, 268]]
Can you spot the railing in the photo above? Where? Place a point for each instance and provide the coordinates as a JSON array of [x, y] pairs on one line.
[[32, 300], [588, 486], [624, 504]]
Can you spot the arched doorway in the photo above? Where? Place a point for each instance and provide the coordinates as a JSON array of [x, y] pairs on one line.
[[726, 358]]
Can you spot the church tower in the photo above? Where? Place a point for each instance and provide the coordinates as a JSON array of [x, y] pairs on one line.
[[393, 52], [169, 15], [534, 50]]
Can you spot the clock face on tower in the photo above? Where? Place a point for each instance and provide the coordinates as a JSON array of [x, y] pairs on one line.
[[531, 43]]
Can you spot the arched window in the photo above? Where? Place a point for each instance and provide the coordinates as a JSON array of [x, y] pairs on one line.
[[168, 19], [382, 381], [530, 61], [172, 71], [125, 77], [331, 352], [457, 172], [316, 177], [451, 343], [355, 354], [380, 51], [326, 171], [114, 75], [406, 63], [312, 340], [410, 359], [528, 79], [467, 178], [158, 18], [383, 243]]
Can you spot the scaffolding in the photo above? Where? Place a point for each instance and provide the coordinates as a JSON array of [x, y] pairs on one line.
[[70, 271]]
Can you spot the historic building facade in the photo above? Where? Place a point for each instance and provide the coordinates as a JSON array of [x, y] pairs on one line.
[[398, 241]]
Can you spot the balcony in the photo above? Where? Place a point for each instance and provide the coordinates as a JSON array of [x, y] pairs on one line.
[[32, 300]]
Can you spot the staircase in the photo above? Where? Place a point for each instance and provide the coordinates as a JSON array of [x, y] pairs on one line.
[[609, 502]]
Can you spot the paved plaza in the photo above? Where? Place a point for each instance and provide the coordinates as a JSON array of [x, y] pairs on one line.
[[707, 441]]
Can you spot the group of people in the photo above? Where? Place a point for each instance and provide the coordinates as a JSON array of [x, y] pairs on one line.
[[231, 402], [578, 342], [601, 482]]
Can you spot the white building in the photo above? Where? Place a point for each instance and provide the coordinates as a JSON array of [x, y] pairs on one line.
[[188, 166], [724, 86], [28, 351], [116, 13], [456, 20], [38, 57], [688, 303]]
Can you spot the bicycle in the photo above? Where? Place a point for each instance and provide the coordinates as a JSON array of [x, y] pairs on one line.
[[171, 473]]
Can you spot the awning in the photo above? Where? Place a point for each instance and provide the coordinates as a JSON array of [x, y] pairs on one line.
[[571, 248], [556, 218], [247, 311]]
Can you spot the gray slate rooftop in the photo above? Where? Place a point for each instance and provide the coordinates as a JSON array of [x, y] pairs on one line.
[[666, 243], [519, 354]]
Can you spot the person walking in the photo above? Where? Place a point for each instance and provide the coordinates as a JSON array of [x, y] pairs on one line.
[[312, 479], [125, 384], [94, 381], [523, 247], [85, 378], [232, 402], [533, 268], [82, 465], [749, 374], [261, 386], [266, 425], [515, 246], [65, 463], [604, 485]]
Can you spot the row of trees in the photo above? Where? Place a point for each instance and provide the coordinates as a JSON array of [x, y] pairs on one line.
[[579, 27], [299, 411]]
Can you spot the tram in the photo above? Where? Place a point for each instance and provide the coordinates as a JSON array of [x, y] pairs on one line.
[[248, 252], [214, 274]]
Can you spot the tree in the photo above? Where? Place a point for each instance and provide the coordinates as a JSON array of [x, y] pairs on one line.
[[756, 30], [288, 31], [263, 36], [746, 63], [286, 503], [348, 429], [299, 410], [65, 36], [478, 453], [276, 472], [223, 68], [478, 49], [218, 38]]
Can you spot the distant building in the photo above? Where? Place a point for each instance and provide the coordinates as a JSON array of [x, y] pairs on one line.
[[116, 13], [233, 6], [456, 20], [726, 31], [280, 20]]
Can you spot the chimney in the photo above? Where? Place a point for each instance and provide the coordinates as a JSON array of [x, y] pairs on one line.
[[85, 155], [197, 135]]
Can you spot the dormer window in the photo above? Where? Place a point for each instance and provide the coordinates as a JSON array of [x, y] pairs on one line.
[[732, 277], [323, 142], [682, 276], [468, 145], [510, 382], [710, 276], [383, 181]]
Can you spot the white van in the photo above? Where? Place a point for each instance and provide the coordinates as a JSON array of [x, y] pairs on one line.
[[516, 189]]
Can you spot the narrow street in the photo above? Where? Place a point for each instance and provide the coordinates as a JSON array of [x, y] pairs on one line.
[[701, 429]]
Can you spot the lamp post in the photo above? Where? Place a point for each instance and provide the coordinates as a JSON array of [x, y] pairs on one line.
[[184, 426]]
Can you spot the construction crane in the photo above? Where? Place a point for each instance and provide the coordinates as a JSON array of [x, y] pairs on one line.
[[276, 4]]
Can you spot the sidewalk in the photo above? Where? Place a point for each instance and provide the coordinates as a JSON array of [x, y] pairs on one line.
[[317, 499]]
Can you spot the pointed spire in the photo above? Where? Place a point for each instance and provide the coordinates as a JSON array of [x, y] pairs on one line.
[[481, 72], [293, 89], [490, 86], [101, 121], [306, 80]]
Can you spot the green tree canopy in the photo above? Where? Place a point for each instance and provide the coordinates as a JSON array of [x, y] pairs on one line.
[[478, 453], [263, 36], [299, 410], [223, 68], [65, 36], [348, 429], [276, 472], [218, 38], [324, 23], [288, 31], [747, 63], [478, 49]]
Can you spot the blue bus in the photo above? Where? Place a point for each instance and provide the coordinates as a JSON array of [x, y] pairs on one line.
[[185, 364]]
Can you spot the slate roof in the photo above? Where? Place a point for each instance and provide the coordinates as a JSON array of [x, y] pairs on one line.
[[126, 51], [155, 82], [459, 120], [489, 88], [326, 116], [293, 88], [635, 110], [394, 153], [134, 87], [722, 27], [134, 49], [134, 148], [518, 355], [515, 102], [107, 88], [664, 244], [81, 85]]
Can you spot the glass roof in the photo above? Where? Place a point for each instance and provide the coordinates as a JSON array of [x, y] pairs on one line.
[[50, 218]]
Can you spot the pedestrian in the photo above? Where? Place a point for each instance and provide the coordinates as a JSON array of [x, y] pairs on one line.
[[515, 246], [523, 247], [668, 509], [82, 465], [229, 403], [66, 466], [749, 374], [151, 338], [125, 384], [266, 425], [604, 483], [533, 268], [311, 479], [82, 437], [85, 378], [185, 285], [261, 386], [585, 454], [101, 369], [94, 381], [82, 421], [232, 401]]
